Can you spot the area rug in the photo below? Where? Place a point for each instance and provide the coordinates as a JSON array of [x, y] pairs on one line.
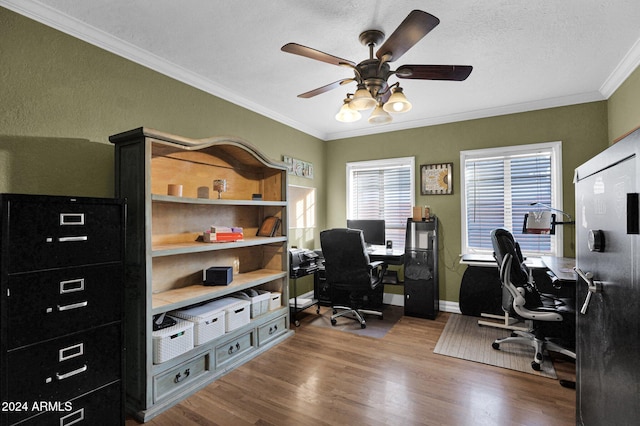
[[463, 338], [376, 327]]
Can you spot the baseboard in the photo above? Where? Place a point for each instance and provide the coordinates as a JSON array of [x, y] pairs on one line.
[[398, 300]]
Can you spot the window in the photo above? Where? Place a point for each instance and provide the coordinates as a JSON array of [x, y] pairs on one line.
[[498, 188], [302, 207], [382, 189]]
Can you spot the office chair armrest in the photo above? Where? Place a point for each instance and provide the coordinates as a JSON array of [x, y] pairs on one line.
[[376, 264]]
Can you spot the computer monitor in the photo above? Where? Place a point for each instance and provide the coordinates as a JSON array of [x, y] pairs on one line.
[[373, 230]]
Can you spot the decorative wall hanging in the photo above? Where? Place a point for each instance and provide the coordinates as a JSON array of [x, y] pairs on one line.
[[436, 179], [298, 167]]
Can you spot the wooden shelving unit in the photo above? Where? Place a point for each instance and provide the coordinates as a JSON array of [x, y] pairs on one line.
[[164, 260]]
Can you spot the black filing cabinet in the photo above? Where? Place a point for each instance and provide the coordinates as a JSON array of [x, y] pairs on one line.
[[61, 272], [421, 294]]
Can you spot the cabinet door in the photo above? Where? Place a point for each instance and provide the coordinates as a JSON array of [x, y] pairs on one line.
[[420, 298]]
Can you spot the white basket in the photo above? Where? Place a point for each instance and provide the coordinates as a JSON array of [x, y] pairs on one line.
[[208, 322], [236, 311], [172, 341], [275, 300], [259, 303]]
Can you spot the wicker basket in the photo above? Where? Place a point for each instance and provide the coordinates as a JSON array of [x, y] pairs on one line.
[[172, 341], [208, 322]]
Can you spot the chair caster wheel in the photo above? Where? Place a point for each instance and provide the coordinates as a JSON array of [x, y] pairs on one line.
[[495, 345], [539, 357], [335, 311], [297, 323], [334, 322], [535, 366], [363, 325]]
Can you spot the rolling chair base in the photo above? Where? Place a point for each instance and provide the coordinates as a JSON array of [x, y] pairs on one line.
[[358, 314], [540, 345]]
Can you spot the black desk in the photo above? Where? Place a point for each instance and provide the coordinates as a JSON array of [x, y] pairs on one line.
[[390, 257]]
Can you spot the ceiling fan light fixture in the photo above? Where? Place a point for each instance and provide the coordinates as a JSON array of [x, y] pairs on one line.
[[380, 116], [397, 102], [362, 99], [347, 114]]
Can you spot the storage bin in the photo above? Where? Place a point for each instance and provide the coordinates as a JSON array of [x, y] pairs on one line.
[[259, 303], [208, 322], [275, 300], [172, 341], [237, 311]]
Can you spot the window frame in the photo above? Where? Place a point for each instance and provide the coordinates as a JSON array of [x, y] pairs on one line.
[[386, 163], [555, 150]]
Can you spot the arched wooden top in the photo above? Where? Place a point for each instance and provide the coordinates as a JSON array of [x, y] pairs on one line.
[[166, 144]]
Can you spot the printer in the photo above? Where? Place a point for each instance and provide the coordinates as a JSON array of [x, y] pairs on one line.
[[302, 262]]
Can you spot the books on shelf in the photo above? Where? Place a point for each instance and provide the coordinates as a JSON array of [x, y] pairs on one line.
[[219, 234]]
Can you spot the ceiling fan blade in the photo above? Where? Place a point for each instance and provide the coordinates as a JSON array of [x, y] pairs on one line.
[[326, 88], [409, 32], [435, 72], [308, 52]]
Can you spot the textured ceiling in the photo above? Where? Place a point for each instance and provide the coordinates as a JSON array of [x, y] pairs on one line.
[[526, 55]]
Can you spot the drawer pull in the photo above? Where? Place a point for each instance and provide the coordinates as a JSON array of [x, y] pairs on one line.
[[273, 329], [73, 418], [179, 377], [70, 352], [72, 306], [73, 239], [71, 218], [71, 373], [232, 349], [70, 286]]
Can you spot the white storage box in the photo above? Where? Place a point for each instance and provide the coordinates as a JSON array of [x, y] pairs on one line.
[[237, 311], [172, 341], [259, 303], [275, 300], [208, 323]]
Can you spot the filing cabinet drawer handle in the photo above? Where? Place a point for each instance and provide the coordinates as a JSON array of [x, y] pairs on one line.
[[71, 373], [73, 418], [72, 239], [73, 306]]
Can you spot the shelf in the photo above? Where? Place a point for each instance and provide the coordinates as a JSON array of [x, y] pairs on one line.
[[215, 201], [197, 247], [190, 295]]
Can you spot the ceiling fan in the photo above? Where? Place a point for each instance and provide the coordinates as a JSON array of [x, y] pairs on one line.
[[371, 75]]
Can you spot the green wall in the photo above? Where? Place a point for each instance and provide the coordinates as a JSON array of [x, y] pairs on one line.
[[581, 128], [624, 107], [61, 98]]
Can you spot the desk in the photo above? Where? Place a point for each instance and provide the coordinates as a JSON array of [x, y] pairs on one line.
[[561, 267], [390, 257]]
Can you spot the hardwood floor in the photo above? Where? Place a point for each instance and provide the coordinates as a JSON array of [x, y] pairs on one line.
[[327, 377]]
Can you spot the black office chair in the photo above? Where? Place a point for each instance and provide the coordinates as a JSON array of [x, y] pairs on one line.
[[355, 282], [521, 299]]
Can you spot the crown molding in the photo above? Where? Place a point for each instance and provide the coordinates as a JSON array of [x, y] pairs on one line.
[[621, 72]]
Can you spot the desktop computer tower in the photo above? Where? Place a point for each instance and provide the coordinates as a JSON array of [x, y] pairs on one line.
[[421, 293]]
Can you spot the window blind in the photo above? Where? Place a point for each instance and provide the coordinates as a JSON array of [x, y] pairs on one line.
[[382, 191], [499, 191]]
